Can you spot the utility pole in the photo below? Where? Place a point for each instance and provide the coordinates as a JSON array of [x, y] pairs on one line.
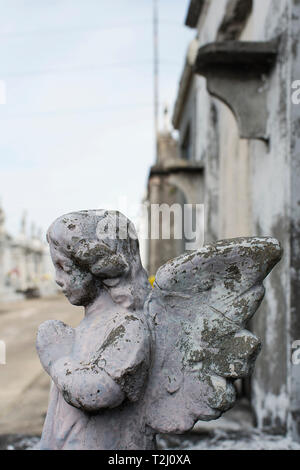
[[155, 73]]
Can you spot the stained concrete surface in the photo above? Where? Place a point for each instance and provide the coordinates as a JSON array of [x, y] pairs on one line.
[[24, 386]]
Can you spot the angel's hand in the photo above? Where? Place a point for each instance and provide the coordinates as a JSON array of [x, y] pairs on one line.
[[54, 340]]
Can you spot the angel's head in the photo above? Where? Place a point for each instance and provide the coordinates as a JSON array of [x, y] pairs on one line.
[[97, 250]]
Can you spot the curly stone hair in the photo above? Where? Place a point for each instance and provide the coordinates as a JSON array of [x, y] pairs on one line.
[[106, 244]]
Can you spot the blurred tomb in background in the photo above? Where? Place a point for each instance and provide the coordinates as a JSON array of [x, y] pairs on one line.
[[25, 268]]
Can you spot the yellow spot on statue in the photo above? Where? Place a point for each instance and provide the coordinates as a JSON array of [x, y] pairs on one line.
[[151, 280]]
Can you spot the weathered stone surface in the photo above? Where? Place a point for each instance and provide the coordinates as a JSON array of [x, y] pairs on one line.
[[252, 188], [237, 73], [235, 18], [194, 12], [200, 306], [144, 361]]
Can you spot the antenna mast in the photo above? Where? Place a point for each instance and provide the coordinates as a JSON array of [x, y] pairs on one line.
[[155, 73]]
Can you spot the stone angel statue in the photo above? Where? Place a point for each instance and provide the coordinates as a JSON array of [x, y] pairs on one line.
[[146, 360]]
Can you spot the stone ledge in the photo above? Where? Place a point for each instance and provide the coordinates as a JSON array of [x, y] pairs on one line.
[[259, 55], [176, 168], [237, 73]]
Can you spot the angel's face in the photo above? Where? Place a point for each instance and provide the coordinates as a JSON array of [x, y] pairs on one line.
[[77, 284]]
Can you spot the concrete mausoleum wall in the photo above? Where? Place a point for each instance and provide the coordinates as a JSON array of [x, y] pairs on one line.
[[252, 186]]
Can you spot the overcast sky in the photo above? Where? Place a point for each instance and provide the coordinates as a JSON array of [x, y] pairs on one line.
[[77, 129]]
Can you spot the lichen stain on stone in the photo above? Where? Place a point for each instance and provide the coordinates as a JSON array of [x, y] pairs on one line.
[[114, 336], [131, 317], [197, 355], [229, 284], [234, 271]]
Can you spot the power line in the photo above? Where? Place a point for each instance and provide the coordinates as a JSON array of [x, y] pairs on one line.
[[75, 30], [85, 68], [75, 111]]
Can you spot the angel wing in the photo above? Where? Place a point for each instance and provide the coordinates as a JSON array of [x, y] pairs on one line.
[[198, 310]]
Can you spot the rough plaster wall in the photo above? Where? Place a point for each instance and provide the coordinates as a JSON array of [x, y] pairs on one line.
[[161, 251], [168, 150], [207, 141], [192, 186], [265, 17], [189, 118], [256, 184], [203, 188], [294, 254], [227, 161], [254, 180], [212, 174], [235, 212], [210, 23], [248, 31], [202, 101], [270, 209], [235, 200], [227, 201], [206, 151]]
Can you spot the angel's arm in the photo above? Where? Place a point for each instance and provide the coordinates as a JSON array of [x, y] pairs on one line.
[[85, 386], [102, 383]]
